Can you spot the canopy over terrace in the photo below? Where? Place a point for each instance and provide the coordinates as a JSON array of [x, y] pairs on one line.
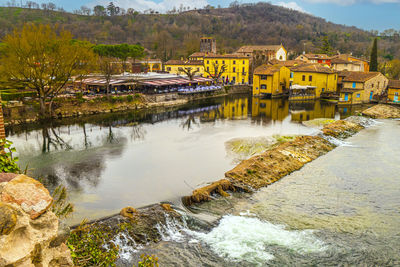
[[170, 84], [98, 85]]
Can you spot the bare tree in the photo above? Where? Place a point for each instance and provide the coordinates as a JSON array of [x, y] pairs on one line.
[[190, 72], [216, 71]]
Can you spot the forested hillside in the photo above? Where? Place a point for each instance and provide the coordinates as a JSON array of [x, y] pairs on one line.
[[177, 35]]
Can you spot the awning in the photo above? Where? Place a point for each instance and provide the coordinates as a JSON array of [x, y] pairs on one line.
[[163, 82]]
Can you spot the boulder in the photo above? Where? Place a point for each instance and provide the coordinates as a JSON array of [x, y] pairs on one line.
[[128, 212], [28, 193], [6, 177], [27, 239], [8, 218]]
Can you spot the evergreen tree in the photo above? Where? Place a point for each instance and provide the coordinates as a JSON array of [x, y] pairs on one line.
[[374, 56], [326, 47]]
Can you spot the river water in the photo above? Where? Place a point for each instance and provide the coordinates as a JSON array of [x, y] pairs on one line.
[[343, 209], [140, 158]]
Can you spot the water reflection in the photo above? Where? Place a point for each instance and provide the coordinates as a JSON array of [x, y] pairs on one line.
[[138, 158]]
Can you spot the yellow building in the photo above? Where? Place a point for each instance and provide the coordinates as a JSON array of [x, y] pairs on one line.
[[178, 66], [234, 109], [362, 87], [394, 91], [236, 68], [310, 110], [322, 78], [271, 81], [265, 110]]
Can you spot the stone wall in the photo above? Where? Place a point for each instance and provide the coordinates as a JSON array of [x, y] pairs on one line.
[[29, 231]]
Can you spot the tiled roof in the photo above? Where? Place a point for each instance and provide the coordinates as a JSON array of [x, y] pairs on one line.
[[355, 76], [360, 76], [184, 62], [346, 56], [267, 69], [225, 56], [312, 68], [394, 84], [251, 48], [287, 63], [340, 61], [316, 56]]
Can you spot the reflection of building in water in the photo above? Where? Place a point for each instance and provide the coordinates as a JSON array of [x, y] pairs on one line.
[[309, 110], [230, 109], [275, 109]]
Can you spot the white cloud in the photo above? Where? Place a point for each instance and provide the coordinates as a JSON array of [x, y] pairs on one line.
[[291, 5], [142, 5]]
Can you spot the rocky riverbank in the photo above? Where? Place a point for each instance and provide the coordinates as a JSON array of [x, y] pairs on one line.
[[29, 231], [73, 109]]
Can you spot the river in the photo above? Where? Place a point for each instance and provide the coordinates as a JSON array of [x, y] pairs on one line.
[[138, 158], [342, 209]]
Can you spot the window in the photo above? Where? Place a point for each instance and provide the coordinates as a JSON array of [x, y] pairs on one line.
[[263, 77], [216, 62], [303, 78], [223, 62], [242, 81], [291, 75], [263, 86], [244, 62], [208, 68], [256, 88], [208, 61], [335, 77], [358, 95], [234, 62], [198, 69], [168, 68], [243, 70], [234, 69], [354, 85], [372, 85], [310, 78], [280, 57], [323, 89]]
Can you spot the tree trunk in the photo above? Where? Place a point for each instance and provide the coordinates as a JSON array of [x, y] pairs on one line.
[[42, 107]]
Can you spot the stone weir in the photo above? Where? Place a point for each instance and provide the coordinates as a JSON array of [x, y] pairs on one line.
[[29, 230], [275, 163]]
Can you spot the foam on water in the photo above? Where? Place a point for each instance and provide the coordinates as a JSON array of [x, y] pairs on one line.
[[241, 238], [127, 245], [171, 230], [336, 141]]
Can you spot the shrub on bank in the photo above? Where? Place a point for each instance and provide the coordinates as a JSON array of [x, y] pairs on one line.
[[10, 96]]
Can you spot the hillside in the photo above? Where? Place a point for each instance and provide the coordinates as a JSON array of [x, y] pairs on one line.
[[176, 35]]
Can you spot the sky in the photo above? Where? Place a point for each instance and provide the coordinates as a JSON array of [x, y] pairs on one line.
[[364, 14]]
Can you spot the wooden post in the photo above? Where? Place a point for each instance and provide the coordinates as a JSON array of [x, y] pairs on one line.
[[2, 130]]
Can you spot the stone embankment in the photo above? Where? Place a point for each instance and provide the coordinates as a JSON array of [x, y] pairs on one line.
[[273, 164], [29, 231], [382, 111]]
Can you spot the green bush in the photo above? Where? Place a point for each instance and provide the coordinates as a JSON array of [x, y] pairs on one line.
[[148, 261], [129, 98], [8, 163], [92, 245], [9, 96]]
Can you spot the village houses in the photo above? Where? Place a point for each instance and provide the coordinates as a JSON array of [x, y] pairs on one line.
[[362, 87], [394, 91], [323, 79], [271, 81]]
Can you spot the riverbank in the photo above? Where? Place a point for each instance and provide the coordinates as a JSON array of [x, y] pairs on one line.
[[82, 107]]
